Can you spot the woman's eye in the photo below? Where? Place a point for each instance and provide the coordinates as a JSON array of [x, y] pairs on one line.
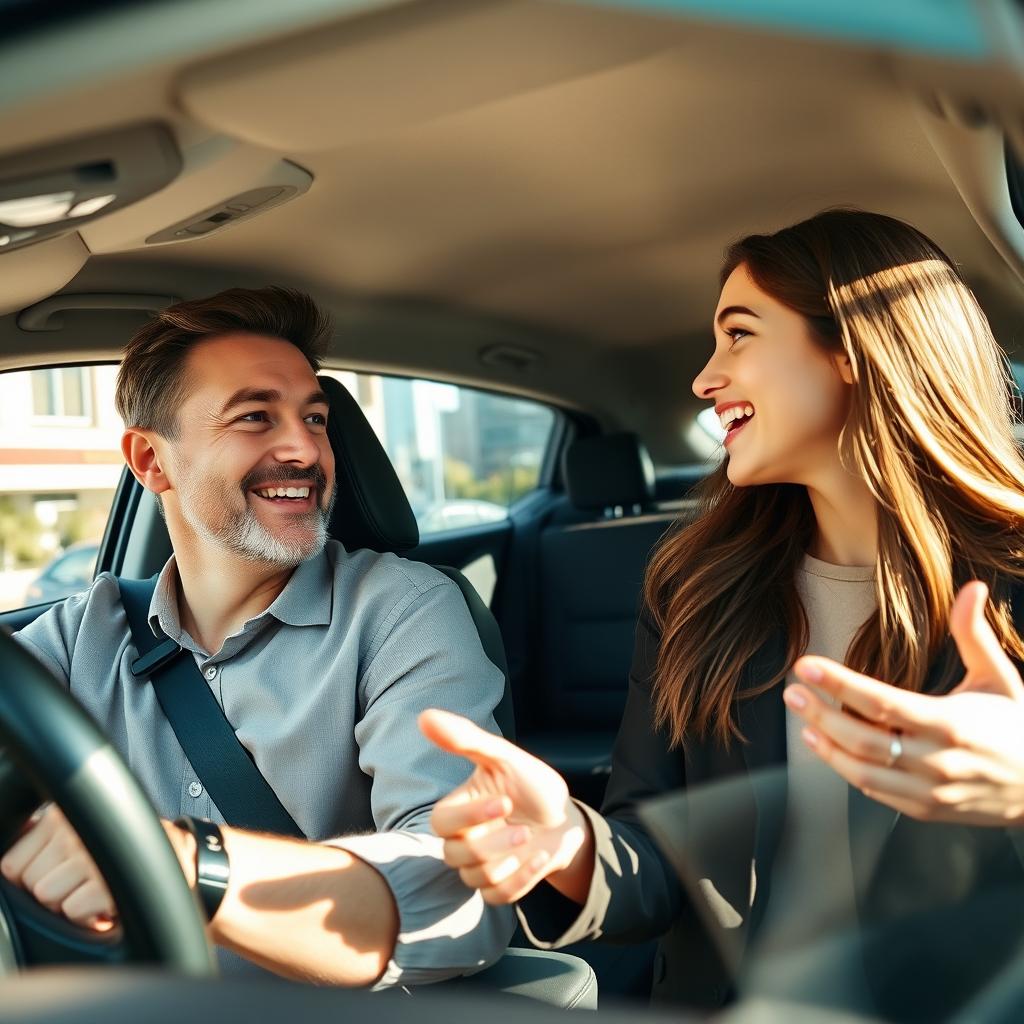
[[736, 334], [317, 418]]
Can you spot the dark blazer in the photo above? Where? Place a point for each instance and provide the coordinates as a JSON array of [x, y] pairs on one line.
[[940, 908]]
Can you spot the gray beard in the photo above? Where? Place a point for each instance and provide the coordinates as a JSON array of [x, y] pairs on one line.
[[245, 535]]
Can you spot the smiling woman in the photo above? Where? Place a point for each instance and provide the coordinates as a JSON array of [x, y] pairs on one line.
[[873, 473]]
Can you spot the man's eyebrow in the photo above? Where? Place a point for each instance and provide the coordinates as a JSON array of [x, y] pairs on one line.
[[734, 309], [245, 395]]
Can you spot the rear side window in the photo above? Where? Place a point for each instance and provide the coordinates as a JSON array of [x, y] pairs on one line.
[[60, 461], [464, 456]]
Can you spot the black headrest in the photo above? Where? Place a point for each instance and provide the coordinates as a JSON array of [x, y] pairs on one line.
[[371, 509], [610, 470]]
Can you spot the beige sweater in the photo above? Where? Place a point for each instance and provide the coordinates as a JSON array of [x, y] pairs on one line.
[[812, 898]]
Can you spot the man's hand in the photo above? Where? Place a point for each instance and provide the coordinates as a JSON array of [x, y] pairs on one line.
[[51, 863], [960, 757], [511, 824]]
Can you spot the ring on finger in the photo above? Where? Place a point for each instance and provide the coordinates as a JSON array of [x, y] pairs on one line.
[[895, 750]]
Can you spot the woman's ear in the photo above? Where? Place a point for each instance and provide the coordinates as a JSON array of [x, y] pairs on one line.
[[845, 368], [140, 452]]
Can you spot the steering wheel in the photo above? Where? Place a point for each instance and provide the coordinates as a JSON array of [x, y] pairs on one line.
[[51, 749]]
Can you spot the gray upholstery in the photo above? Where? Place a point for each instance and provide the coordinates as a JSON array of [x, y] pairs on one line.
[[558, 979], [591, 578], [372, 510], [609, 471]]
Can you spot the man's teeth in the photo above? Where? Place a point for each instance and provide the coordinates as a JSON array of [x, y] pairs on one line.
[[734, 413], [283, 492]]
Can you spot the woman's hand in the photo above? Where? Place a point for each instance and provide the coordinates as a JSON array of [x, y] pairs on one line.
[[52, 863], [511, 824], [954, 758]]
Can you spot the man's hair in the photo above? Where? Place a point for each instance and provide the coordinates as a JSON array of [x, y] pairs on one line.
[[152, 383]]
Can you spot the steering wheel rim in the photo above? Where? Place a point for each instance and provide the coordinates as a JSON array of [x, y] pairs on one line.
[[63, 754]]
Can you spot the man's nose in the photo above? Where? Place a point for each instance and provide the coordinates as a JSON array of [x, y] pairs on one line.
[[297, 444]]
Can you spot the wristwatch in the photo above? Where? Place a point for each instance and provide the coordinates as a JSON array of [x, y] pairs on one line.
[[212, 867]]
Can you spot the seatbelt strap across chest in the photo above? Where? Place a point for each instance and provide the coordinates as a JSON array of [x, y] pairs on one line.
[[222, 764]]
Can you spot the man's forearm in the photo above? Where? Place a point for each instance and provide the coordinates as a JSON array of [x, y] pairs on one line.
[[310, 912]]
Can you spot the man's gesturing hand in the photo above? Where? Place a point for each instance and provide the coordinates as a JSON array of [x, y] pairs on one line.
[[511, 824], [51, 862], [958, 757]]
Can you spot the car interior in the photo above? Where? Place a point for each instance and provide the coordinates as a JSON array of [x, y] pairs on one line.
[[526, 197]]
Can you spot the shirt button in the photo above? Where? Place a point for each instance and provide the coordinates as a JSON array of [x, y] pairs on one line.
[[195, 789], [210, 673]]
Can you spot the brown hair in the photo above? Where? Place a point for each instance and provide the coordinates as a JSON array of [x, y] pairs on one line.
[[930, 430], [152, 384]]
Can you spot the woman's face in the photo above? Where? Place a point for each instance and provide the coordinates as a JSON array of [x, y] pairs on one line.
[[767, 360]]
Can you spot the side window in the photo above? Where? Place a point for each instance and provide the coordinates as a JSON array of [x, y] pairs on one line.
[[60, 460], [463, 456]]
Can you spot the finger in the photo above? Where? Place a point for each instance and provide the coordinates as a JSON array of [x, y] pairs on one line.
[[31, 844], [53, 888], [91, 906], [459, 811], [979, 647], [494, 872], [885, 705], [49, 858], [459, 735], [854, 735], [519, 883], [882, 782], [474, 850]]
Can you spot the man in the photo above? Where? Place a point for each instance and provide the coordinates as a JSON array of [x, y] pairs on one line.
[[320, 658]]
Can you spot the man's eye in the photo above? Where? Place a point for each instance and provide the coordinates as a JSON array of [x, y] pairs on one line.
[[253, 417]]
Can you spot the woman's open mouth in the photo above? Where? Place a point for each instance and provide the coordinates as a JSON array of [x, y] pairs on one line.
[[734, 430]]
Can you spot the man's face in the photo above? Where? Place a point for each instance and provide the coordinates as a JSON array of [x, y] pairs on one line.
[[252, 470]]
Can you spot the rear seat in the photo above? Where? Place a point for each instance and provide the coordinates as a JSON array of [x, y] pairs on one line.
[[592, 561], [592, 555]]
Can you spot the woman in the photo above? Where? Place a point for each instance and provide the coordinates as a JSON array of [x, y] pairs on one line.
[[871, 502]]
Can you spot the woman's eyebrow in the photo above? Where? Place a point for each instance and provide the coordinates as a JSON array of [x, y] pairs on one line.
[[734, 309]]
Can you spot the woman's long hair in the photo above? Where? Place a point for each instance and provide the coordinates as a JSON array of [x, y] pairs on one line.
[[930, 429]]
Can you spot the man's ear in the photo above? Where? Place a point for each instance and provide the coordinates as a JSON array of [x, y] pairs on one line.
[[140, 452]]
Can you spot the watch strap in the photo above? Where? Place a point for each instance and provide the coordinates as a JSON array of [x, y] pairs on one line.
[[212, 865]]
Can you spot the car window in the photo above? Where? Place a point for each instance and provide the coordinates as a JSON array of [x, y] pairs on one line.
[[60, 461], [464, 456]]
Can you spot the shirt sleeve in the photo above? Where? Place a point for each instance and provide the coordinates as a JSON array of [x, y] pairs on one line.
[[51, 637], [430, 656]]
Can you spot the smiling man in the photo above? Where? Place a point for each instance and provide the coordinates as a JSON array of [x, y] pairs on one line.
[[320, 659]]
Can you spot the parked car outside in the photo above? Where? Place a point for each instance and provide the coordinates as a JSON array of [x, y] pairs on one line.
[[67, 573]]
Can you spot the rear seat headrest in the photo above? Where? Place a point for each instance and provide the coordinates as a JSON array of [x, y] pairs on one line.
[[606, 471]]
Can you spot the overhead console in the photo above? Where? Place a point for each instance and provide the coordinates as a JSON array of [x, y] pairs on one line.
[[57, 189]]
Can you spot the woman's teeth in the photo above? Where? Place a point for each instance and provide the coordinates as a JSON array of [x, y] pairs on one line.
[[283, 492], [733, 413]]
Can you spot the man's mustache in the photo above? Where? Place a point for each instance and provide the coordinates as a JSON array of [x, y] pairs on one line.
[[286, 475]]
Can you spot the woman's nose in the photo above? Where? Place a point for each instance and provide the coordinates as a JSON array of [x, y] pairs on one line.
[[708, 381]]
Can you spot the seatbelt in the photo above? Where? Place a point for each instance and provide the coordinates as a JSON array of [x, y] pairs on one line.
[[223, 765]]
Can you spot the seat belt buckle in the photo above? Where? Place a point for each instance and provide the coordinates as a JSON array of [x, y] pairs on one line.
[[155, 660]]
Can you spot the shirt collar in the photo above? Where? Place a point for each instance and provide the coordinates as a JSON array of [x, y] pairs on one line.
[[306, 600]]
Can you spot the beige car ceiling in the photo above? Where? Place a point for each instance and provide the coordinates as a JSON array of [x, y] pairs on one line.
[[528, 195]]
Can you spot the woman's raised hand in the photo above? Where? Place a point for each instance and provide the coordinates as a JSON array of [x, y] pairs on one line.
[[957, 758], [511, 824]]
